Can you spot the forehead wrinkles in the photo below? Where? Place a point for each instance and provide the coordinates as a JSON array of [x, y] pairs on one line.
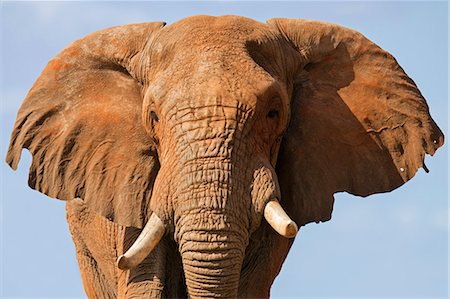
[[226, 73], [197, 31], [210, 57], [192, 37]]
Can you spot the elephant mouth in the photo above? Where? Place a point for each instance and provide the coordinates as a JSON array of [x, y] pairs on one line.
[[154, 231]]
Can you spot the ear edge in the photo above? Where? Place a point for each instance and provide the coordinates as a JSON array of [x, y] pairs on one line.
[[429, 147], [33, 126]]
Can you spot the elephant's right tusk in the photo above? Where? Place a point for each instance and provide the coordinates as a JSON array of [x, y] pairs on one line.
[[279, 220], [148, 239]]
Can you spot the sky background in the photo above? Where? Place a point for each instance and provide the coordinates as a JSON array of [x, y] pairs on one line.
[[388, 245]]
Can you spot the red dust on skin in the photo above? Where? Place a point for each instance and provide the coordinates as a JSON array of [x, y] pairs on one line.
[[246, 113]]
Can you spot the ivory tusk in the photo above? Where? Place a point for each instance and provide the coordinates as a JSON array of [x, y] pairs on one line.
[[279, 220], [148, 239]]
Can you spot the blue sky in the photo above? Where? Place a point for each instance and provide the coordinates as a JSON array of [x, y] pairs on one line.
[[388, 245]]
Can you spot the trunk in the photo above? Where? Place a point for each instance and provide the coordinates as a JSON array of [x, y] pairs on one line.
[[211, 201], [212, 229], [212, 268]]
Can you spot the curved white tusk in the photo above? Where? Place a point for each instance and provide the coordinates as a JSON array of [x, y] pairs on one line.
[[279, 220], [148, 239]]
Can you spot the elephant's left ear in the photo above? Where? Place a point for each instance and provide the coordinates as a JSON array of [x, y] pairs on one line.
[[82, 123], [358, 122]]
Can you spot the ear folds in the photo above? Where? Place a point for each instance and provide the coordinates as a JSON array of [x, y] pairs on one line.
[[358, 122], [82, 123]]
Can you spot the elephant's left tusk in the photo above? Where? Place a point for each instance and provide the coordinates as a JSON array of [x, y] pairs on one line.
[[148, 239], [279, 220]]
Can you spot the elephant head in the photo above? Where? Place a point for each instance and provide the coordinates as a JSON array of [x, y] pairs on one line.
[[209, 129]]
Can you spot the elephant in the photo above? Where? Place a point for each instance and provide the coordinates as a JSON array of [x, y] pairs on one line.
[[190, 154]]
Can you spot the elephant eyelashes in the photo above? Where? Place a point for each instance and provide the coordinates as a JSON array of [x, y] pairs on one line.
[[154, 116], [273, 113]]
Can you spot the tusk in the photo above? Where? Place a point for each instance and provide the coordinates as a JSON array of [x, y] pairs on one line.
[[144, 244], [279, 220]]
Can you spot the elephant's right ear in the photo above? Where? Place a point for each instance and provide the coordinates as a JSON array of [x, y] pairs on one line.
[[82, 123], [358, 123]]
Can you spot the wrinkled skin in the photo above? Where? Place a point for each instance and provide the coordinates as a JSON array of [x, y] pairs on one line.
[[202, 123]]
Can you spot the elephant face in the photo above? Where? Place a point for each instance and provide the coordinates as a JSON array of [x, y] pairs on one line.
[[209, 86], [201, 106], [200, 130], [209, 109]]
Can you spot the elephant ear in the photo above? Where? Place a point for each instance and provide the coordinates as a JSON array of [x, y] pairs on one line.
[[82, 123], [358, 122]]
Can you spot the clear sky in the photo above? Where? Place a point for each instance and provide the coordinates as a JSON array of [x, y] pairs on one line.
[[389, 245]]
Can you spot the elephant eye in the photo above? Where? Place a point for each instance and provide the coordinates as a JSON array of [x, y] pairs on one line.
[[154, 116], [273, 113]]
